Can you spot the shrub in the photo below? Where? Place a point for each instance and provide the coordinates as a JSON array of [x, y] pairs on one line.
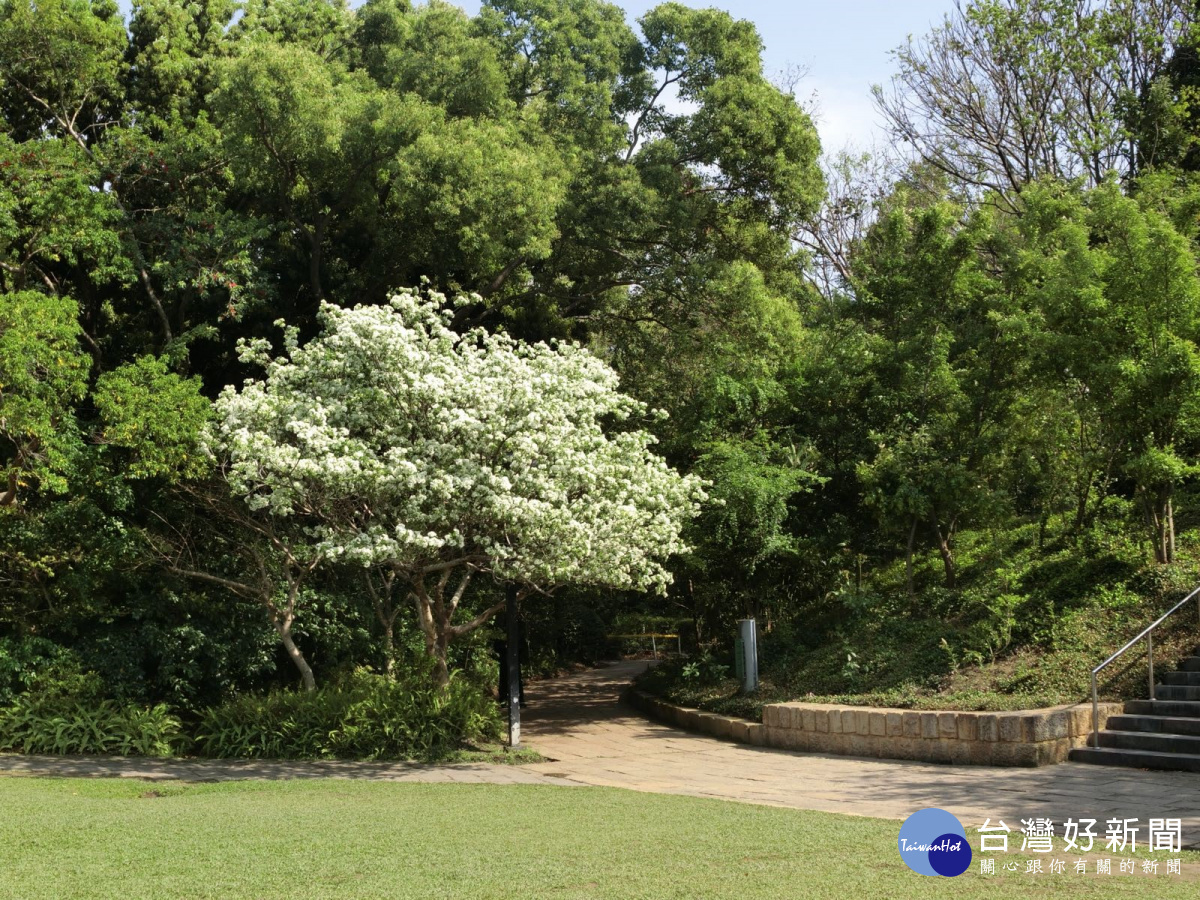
[[364, 717], [22, 660], [63, 712], [704, 669]]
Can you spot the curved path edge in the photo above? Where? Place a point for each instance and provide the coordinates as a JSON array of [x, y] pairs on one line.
[[590, 737], [593, 736]]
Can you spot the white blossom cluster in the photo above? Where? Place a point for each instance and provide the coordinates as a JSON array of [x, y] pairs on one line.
[[398, 441]]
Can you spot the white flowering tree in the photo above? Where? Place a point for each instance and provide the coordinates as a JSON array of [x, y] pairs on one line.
[[442, 457]]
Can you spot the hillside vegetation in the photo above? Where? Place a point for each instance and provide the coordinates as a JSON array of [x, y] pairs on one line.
[[323, 327]]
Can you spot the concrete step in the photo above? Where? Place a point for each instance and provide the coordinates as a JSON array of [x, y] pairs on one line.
[[1154, 724], [1184, 678], [1162, 743], [1189, 709], [1177, 692], [1191, 664], [1137, 759]]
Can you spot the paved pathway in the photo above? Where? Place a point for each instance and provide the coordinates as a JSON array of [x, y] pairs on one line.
[[268, 769], [590, 738], [578, 722]]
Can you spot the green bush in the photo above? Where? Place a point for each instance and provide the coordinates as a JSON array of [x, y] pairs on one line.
[[705, 669], [22, 660], [364, 717], [64, 712]]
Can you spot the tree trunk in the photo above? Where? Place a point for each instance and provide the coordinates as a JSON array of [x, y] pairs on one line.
[[908, 557], [316, 245], [9, 496], [385, 613], [1160, 524], [389, 654], [947, 554], [281, 619], [435, 614], [1170, 531], [1081, 502], [425, 618], [441, 669], [695, 610], [285, 636]]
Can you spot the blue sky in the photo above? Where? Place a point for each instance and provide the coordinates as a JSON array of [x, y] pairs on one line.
[[844, 45]]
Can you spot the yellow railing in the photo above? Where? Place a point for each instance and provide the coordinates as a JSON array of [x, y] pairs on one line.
[[654, 638]]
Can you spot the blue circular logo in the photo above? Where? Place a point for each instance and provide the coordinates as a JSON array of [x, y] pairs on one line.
[[933, 842]]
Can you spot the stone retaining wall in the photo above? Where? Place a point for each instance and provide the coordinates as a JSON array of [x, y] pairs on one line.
[[741, 730], [1034, 737]]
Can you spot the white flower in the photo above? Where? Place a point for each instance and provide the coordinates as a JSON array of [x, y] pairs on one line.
[[405, 443]]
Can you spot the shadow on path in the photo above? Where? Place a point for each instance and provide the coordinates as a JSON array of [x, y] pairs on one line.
[[590, 738], [579, 722]]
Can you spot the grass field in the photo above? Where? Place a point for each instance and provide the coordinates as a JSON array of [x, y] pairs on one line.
[[80, 838]]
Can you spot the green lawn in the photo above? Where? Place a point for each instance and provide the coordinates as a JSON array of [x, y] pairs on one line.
[[79, 838]]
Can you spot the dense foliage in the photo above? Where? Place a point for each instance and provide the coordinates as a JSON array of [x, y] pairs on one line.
[[950, 392], [366, 717], [65, 711]]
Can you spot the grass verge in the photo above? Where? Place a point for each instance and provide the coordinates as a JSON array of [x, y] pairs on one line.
[[83, 838]]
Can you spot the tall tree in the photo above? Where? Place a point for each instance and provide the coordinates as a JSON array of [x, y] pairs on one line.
[[1008, 91], [447, 457], [1119, 290], [949, 366]]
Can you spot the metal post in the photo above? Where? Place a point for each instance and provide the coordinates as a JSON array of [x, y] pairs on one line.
[[513, 665], [1095, 714], [749, 646], [654, 645], [1150, 657]]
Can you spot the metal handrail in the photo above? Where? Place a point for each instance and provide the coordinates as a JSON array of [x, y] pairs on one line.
[[654, 636], [1148, 634]]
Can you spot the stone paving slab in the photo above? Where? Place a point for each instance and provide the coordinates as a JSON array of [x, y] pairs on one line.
[[621, 749]]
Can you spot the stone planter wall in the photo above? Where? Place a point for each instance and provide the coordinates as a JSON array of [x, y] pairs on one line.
[[1034, 737], [741, 730]]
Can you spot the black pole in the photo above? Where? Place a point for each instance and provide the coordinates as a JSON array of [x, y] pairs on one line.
[[513, 665]]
